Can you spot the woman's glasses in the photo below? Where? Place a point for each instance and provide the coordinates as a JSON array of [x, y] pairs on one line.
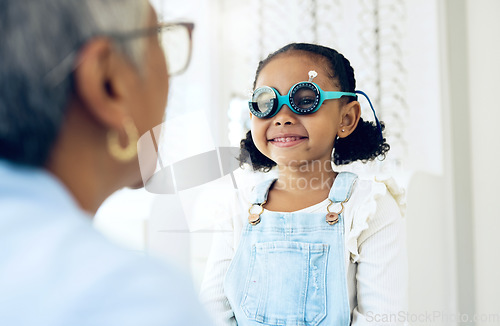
[[175, 40]]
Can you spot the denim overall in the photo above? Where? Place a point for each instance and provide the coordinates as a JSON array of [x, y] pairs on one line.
[[289, 269]]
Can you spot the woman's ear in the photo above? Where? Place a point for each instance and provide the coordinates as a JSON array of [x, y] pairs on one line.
[[350, 114], [103, 78]]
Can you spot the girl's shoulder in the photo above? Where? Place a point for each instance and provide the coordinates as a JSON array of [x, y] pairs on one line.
[[368, 193], [228, 202], [374, 204]]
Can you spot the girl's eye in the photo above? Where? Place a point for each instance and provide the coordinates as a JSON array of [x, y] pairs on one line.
[[305, 102]]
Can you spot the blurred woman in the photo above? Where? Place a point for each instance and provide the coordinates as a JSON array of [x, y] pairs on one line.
[[80, 81]]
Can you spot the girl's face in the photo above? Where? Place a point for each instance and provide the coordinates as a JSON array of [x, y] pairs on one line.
[[290, 139]]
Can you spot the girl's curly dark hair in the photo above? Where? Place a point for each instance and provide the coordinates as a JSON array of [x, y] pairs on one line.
[[365, 143]]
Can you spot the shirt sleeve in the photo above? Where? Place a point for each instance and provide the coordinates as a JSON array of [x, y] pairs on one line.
[[212, 288], [381, 275]]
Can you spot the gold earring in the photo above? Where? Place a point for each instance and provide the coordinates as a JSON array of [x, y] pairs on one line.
[[114, 147]]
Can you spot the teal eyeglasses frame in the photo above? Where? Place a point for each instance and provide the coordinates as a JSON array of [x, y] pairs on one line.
[[275, 104]]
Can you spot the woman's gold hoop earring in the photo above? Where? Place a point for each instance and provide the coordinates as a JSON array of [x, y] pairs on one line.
[[130, 151]]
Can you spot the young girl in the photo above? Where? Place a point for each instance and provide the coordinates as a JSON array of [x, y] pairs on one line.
[[312, 247]]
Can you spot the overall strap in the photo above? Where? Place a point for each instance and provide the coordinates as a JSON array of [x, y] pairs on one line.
[[342, 187], [260, 192]]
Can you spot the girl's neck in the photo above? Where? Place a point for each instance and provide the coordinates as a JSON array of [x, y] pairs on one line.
[[299, 187], [313, 176]]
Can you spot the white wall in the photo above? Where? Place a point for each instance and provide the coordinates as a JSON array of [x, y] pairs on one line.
[[430, 249], [454, 215], [483, 26], [431, 211]]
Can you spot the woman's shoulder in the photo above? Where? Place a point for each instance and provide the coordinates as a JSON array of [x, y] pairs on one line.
[[375, 203]]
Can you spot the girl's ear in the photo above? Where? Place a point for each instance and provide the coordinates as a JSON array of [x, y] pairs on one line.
[[350, 114]]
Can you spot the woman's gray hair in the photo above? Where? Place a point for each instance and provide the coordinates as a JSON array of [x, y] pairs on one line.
[[39, 42]]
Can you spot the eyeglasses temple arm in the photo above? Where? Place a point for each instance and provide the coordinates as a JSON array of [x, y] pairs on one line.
[[336, 95], [379, 127]]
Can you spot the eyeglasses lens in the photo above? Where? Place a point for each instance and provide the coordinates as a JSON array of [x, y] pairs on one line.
[[176, 43], [265, 100], [304, 98]]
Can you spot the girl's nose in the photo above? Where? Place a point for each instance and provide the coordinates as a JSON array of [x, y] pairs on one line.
[[284, 117]]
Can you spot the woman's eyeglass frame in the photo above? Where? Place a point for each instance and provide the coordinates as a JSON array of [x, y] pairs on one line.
[[159, 29], [57, 74]]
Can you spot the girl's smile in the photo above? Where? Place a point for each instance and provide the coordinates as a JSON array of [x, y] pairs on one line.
[[287, 139]]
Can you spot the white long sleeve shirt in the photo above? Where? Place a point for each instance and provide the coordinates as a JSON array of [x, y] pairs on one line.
[[375, 253]]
